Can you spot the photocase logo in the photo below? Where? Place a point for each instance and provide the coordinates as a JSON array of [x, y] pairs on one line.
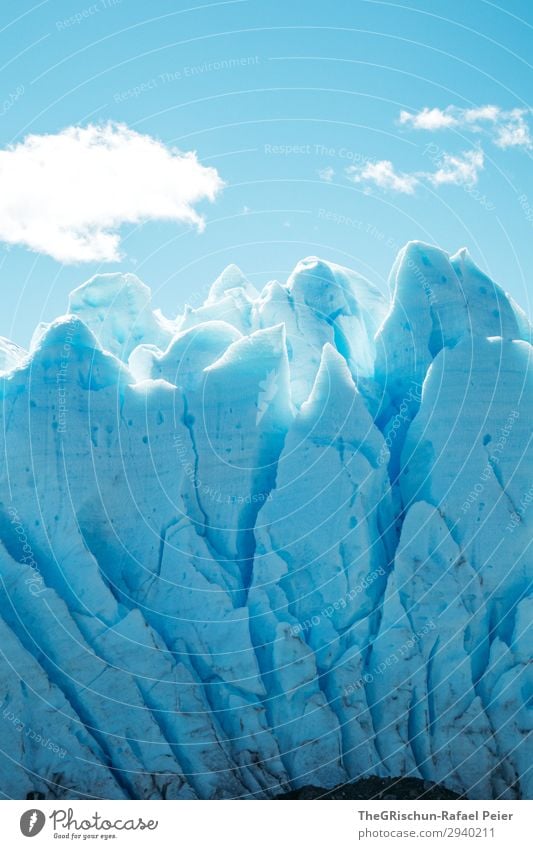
[[32, 822]]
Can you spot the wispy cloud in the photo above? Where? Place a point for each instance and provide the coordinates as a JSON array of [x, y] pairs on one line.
[[515, 132], [326, 174], [66, 195], [383, 175], [506, 127], [457, 170]]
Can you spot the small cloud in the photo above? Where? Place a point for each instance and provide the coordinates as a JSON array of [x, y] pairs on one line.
[[506, 128], [481, 113], [454, 170], [326, 174], [67, 194], [383, 175], [428, 119], [515, 132], [459, 170]]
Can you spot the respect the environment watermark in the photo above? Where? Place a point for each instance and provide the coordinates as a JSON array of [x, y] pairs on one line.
[[85, 14], [186, 72]]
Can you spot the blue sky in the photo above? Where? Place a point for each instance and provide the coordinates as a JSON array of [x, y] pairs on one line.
[[312, 115]]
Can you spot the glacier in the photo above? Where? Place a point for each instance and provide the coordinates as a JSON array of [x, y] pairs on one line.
[[280, 540]]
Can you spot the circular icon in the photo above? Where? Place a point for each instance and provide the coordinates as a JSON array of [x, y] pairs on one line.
[[32, 822]]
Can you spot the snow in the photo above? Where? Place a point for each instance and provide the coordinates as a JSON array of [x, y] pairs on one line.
[[279, 540], [11, 354], [230, 280], [117, 308]]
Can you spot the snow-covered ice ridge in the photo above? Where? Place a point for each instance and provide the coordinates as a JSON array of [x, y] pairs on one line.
[[281, 540]]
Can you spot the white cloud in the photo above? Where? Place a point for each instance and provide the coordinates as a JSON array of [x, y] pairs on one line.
[[67, 194], [383, 175], [428, 119], [481, 113], [515, 132], [506, 128], [459, 170], [326, 174]]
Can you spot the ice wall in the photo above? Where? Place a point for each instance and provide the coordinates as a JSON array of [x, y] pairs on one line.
[[282, 539]]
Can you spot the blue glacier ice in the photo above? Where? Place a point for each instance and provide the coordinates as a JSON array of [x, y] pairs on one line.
[[281, 539]]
